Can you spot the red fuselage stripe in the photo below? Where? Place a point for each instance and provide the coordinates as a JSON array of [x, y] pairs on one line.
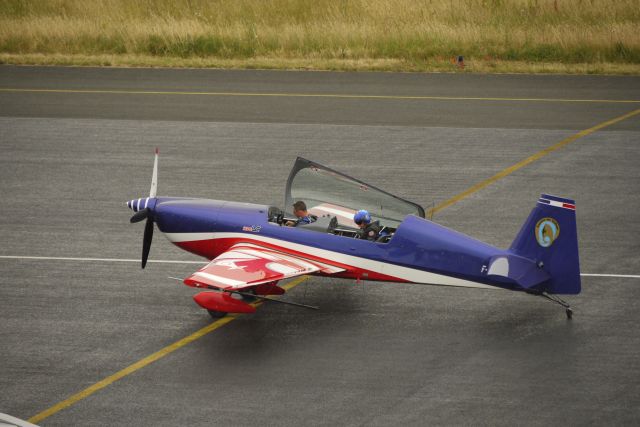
[[214, 247]]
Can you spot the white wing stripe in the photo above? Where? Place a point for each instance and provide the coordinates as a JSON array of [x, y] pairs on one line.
[[219, 279]]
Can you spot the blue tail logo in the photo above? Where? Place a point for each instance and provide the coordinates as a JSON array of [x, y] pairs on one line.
[[555, 253], [547, 231]]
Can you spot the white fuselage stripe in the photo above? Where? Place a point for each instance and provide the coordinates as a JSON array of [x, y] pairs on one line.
[[403, 273]]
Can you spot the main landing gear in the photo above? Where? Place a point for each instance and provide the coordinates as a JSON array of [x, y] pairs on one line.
[[246, 300], [217, 314], [247, 297]]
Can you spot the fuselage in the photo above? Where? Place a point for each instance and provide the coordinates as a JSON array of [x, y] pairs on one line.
[[420, 251]]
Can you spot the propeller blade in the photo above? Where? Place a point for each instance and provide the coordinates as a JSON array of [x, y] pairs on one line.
[[146, 241], [140, 215], [154, 177]]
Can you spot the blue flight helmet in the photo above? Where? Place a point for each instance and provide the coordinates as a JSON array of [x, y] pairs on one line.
[[362, 217]]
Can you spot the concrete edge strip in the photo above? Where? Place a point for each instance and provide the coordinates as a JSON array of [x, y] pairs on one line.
[[9, 421]]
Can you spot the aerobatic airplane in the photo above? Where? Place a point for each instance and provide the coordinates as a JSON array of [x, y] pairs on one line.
[[252, 247]]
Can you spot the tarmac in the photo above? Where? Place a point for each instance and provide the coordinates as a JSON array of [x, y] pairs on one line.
[[77, 143]]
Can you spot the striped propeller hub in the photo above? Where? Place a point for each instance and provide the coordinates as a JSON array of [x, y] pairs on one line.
[[139, 204]]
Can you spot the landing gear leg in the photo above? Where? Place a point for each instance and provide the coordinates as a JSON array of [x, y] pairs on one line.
[[247, 296]]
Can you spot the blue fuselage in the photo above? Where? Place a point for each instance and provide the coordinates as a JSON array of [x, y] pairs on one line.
[[210, 227]]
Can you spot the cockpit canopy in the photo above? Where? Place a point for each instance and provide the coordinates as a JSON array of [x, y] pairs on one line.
[[328, 192]]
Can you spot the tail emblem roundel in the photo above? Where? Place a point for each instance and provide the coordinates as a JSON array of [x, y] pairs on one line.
[[547, 231]]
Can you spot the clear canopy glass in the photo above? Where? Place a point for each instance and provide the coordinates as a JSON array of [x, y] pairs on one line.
[[326, 191]]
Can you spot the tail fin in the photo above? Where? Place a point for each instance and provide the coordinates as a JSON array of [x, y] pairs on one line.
[[549, 236]]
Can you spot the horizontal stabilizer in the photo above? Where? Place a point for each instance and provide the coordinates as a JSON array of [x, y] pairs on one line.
[[516, 269]]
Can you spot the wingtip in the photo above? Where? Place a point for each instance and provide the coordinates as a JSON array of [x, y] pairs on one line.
[[157, 151]]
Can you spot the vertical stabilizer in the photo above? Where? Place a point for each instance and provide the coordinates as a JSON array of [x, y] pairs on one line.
[[550, 237]]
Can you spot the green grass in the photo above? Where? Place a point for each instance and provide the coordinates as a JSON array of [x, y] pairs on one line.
[[405, 35]]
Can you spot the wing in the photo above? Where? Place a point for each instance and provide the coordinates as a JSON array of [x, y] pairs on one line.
[[246, 265]]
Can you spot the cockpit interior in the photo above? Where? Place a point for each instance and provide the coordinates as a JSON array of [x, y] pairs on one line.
[[327, 224], [333, 198]]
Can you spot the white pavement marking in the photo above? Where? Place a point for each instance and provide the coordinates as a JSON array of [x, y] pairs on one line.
[[166, 261], [626, 276]]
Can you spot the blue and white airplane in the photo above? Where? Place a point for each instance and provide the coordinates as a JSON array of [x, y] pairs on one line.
[[251, 247]]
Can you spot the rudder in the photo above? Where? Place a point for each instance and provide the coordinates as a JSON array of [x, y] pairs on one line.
[[549, 236]]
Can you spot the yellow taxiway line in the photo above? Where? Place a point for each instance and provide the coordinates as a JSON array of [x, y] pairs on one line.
[[511, 169], [225, 320], [311, 95]]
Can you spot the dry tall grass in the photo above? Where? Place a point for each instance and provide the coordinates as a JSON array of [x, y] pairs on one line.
[[410, 32]]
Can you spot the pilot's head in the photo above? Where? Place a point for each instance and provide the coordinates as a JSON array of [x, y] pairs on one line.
[[300, 209], [362, 218]]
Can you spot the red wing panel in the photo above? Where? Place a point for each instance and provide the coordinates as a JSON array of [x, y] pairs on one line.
[[249, 265]]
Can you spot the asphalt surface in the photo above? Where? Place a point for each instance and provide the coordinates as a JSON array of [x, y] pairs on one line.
[[378, 354]]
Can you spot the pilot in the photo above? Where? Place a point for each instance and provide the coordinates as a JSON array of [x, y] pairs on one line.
[[300, 211], [368, 230]]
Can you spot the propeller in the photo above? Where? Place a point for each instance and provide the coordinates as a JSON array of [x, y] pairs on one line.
[[148, 232], [140, 215], [146, 240], [147, 213]]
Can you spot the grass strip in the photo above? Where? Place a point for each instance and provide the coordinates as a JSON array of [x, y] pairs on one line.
[[568, 36]]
